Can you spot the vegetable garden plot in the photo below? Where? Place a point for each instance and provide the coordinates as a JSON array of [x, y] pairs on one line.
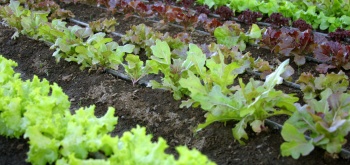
[[154, 109]]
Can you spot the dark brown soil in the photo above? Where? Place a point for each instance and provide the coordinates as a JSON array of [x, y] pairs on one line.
[[137, 105]]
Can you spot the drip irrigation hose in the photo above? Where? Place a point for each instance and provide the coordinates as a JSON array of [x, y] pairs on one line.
[[78, 22], [126, 77], [287, 83], [118, 74]]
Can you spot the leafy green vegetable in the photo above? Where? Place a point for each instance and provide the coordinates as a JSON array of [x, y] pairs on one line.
[[250, 103], [242, 5], [213, 3], [231, 34], [220, 73], [327, 121], [103, 25], [287, 8], [323, 14], [255, 32], [70, 41], [31, 23], [61, 14], [325, 21], [24, 101], [313, 86], [161, 52], [69, 134], [196, 58], [12, 14], [135, 147], [41, 111], [270, 7], [296, 143], [173, 70], [141, 36], [97, 50], [135, 68], [65, 45], [50, 32]]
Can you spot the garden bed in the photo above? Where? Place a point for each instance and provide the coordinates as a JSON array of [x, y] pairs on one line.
[[138, 105]]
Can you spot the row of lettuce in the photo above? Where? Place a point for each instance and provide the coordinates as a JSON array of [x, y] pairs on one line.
[[322, 14], [209, 81], [190, 19], [300, 44], [289, 42], [41, 112], [285, 41]]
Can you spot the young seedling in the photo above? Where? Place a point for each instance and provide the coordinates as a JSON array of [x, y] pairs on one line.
[[135, 67]]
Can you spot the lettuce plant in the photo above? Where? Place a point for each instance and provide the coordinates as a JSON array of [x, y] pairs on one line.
[[26, 103], [313, 86], [230, 34], [326, 121], [103, 25], [248, 103], [135, 67]]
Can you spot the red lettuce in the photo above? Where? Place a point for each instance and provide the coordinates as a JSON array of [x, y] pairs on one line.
[[249, 17]]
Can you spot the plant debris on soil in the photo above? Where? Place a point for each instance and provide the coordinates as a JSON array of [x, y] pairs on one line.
[[139, 105]]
